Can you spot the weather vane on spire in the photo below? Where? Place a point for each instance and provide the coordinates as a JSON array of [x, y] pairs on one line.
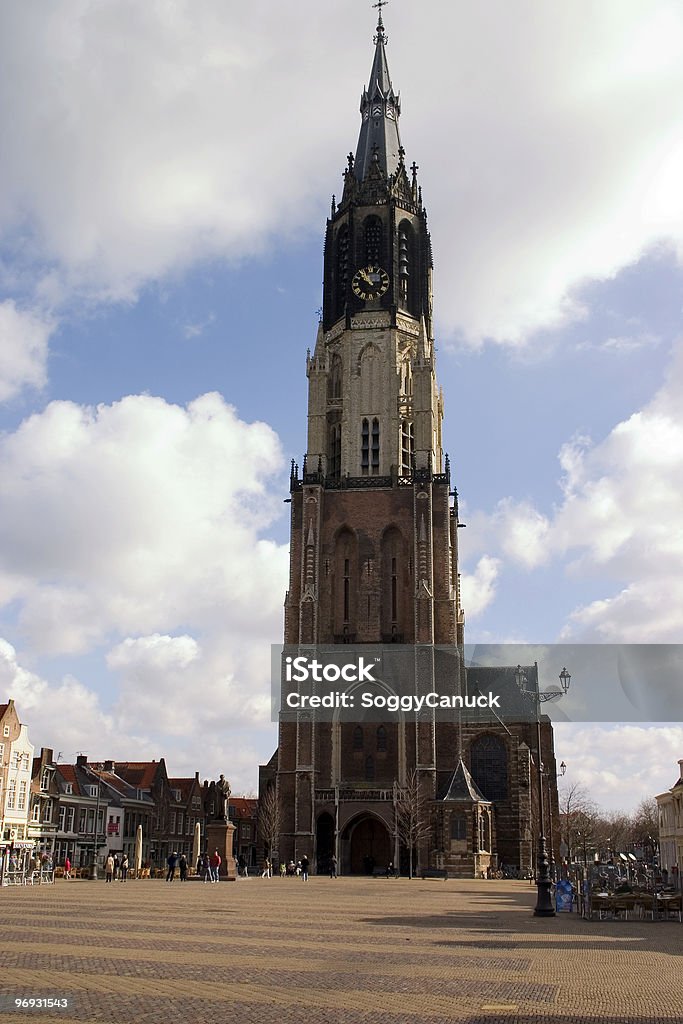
[[380, 37]]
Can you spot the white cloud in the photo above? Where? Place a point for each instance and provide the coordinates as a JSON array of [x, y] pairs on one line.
[[23, 349], [648, 760], [141, 138], [619, 521], [139, 517], [479, 588]]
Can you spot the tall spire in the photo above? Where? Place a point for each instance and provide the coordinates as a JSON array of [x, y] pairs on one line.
[[380, 107]]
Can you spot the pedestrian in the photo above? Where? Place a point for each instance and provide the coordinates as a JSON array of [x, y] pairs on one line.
[[243, 869], [124, 867], [208, 873], [116, 866], [283, 869], [304, 868], [215, 865], [109, 869], [266, 869], [172, 861], [67, 868], [333, 866], [182, 864]]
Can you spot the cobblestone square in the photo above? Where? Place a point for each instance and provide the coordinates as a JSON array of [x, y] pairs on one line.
[[349, 950]]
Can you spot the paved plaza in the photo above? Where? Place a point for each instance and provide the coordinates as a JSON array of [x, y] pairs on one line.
[[344, 951]]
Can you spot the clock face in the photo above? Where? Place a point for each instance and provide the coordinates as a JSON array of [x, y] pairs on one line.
[[370, 282]]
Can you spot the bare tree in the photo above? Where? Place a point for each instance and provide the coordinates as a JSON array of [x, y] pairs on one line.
[[579, 820], [412, 819], [269, 819], [645, 825]]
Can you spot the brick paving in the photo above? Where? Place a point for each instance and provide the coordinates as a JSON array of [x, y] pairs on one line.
[[348, 951]]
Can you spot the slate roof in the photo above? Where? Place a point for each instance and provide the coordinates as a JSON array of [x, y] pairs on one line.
[[462, 787], [379, 129]]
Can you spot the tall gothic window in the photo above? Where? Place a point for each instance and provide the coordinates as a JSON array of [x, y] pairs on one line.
[[375, 447], [342, 267], [358, 738], [334, 450], [365, 447], [334, 381], [489, 766], [373, 242], [369, 768], [406, 265], [381, 738]]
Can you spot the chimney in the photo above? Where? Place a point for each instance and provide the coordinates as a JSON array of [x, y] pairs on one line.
[[81, 761], [196, 776], [46, 755], [680, 765], [109, 766]]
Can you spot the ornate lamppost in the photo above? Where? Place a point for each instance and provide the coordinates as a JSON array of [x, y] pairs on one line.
[[544, 904]]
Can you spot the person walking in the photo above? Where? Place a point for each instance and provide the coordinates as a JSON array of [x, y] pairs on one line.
[[109, 869], [266, 869], [116, 866], [182, 864], [67, 868], [304, 868], [172, 861], [283, 869], [123, 870], [333, 866], [207, 872], [215, 865]]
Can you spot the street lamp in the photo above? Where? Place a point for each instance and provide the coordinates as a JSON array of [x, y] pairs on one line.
[[544, 904]]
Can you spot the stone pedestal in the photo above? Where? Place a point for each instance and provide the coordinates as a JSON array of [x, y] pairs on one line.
[[219, 836]]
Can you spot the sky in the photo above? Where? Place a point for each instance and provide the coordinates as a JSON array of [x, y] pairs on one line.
[[167, 171]]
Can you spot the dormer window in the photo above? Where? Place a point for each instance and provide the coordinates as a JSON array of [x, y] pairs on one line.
[[68, 788]]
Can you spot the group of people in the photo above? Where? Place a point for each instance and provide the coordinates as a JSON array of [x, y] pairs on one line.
[[114, 869], [174, 861], [209, 866]]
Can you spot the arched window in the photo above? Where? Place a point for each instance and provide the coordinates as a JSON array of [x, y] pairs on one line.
[[406, 265], [489, 766], [484, 832], [334, 381], [381, 738], [358, 738], [342, 267], [369, 768], [334, 449], [365, 447], [374, 242], [375, 447], [458, 826]]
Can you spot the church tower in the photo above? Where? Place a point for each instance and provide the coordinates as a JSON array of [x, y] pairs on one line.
[[374, 526], [373, 530]]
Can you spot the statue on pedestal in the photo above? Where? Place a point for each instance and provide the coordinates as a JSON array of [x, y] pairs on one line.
[[217, 799]]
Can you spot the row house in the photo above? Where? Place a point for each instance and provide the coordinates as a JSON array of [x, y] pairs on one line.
[[129, 808], [243, 813], [150, 779], [43, 816], [81, 816], [16, 763], [185, 813]]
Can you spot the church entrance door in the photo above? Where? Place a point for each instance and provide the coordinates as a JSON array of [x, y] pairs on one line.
[[369, 845]]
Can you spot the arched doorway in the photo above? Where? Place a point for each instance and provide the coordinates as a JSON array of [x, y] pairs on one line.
[[369, 845], [324, 841]]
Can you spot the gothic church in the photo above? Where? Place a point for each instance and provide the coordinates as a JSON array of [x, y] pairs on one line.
[[374, 548]]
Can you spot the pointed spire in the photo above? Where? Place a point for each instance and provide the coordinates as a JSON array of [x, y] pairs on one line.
[[463, 788], [380, 108]]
